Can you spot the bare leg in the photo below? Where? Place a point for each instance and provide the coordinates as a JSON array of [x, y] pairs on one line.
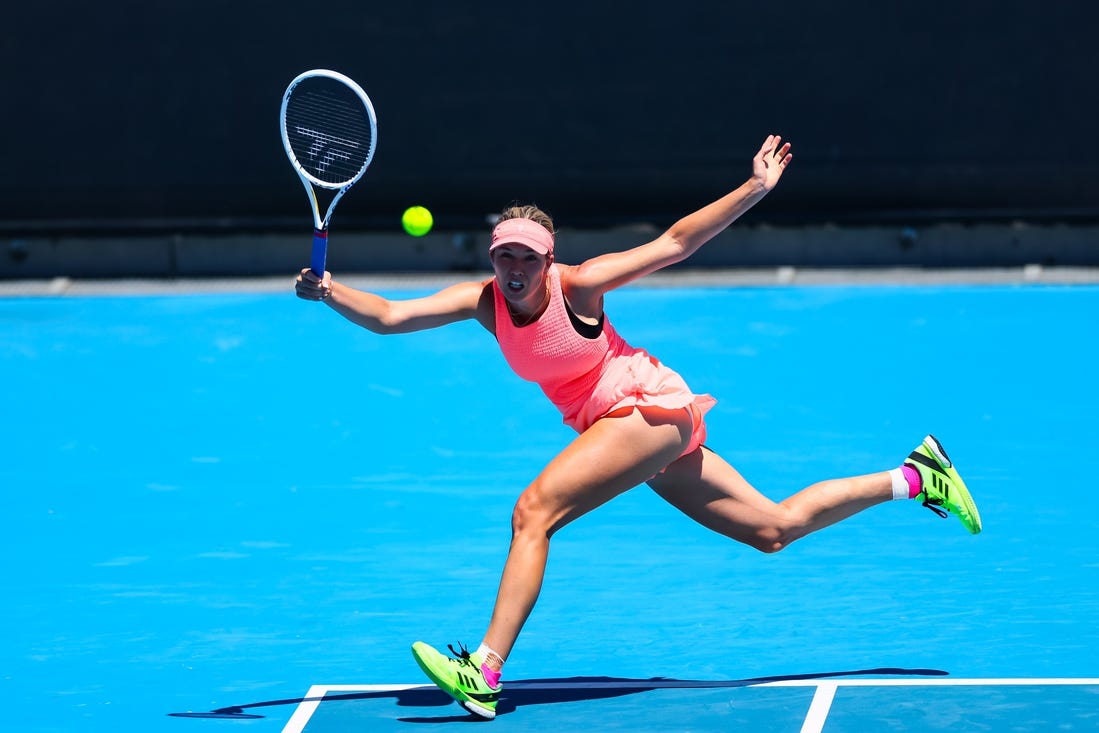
[[706, 488], [612, 456]]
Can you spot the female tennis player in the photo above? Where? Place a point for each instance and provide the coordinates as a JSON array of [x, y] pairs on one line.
[[636, 419]]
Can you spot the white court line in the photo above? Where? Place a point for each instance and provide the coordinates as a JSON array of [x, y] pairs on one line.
[[814, 720], [315, 696], [305, 709], [819, 708], [939, 682]]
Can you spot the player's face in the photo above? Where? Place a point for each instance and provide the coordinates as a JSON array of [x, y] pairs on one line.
[[520, 272]]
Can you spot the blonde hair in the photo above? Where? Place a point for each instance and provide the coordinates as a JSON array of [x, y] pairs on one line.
[[528, 211]]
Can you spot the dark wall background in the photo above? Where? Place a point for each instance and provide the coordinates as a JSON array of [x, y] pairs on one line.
[[164, 114]]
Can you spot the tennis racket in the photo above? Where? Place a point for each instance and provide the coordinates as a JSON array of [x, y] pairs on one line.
[[329, 131]]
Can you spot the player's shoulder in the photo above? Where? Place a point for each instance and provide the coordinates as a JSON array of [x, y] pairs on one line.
[[486, 304], [568, 274], [589, 275], [582, 288]]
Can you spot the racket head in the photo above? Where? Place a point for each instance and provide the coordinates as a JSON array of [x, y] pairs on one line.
[[329, 129]]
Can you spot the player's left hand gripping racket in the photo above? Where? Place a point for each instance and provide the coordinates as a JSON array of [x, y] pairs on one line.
[[329, 131]]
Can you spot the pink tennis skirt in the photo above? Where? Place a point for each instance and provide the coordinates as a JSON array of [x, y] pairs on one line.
[[640, 380]]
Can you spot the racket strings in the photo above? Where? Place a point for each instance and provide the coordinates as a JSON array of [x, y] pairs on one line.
[[330, 132]]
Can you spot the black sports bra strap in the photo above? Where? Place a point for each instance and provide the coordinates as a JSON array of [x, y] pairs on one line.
[[587, 330]]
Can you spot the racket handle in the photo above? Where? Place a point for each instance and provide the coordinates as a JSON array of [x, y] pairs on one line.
[[320, 251]]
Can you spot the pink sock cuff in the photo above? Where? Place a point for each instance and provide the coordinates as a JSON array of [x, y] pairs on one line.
[[492, 677], [912, 476]]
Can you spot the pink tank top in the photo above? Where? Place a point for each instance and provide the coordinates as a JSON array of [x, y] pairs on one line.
[[586, 378]]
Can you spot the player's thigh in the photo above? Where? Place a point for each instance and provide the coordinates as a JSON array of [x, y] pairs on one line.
[[612, 456]]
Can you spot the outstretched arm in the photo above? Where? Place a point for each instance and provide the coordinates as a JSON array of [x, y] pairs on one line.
[[768, 165], [381, 315], [598, 275]]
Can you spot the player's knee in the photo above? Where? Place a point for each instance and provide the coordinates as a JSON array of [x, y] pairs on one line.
[[768, 542], [789, 526], [774, 539], [530, 514]]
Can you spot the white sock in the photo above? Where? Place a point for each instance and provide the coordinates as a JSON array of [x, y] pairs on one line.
[[489, 657], [900, 484]]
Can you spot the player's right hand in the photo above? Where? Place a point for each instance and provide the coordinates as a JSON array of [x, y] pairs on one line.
[[310, 287]]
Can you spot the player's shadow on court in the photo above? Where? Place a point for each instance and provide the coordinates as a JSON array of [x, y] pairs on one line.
[[521, 693]]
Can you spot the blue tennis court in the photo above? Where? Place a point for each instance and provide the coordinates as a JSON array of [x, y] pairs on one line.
[[235, 511]]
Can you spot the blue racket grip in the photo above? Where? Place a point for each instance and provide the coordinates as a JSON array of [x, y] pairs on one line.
[[320, 252]]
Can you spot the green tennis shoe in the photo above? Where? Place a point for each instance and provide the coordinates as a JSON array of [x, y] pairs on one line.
[[459, 677], [941, 488]]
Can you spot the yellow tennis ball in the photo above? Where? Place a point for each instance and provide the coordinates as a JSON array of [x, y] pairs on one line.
[[417, 221]]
